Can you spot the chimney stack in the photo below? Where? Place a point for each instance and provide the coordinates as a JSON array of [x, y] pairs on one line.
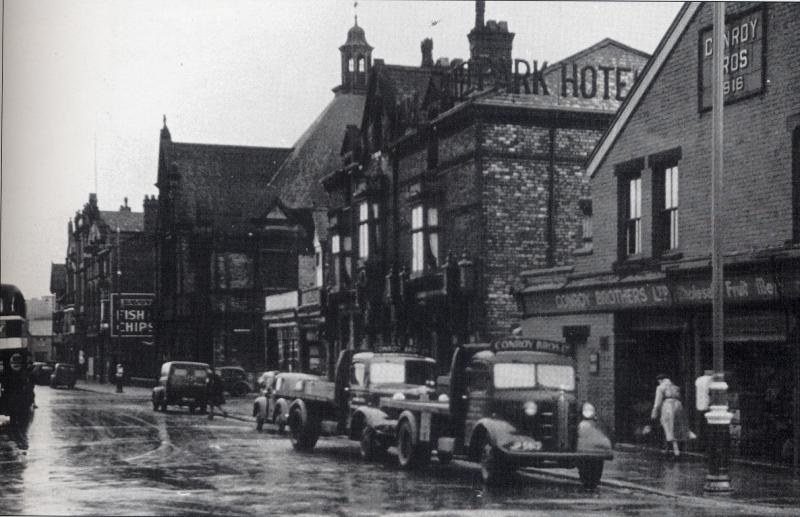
[[480, 8], [427, 52]]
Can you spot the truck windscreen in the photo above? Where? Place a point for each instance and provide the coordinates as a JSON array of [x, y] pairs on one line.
[[409, 372], [529, 376]]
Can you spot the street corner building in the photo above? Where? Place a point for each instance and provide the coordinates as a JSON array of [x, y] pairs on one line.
[[636, 300], [103, 293], [461, 175], [223, 242]]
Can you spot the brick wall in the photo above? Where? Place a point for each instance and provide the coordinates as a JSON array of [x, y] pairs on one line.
[[757, 206]]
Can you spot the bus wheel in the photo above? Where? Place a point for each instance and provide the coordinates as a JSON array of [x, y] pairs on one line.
[[410, 453], [494, 469], [590, 473]]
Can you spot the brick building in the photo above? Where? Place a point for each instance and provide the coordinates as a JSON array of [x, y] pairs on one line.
[[108, 253], [294, 323], [640, 302], [223, 243], [461, 176]]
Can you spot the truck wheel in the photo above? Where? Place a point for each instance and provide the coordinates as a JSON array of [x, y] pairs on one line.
[[370, 447], [303, 436], [590, 473], [279, 421], [494, 469], [409, 452]]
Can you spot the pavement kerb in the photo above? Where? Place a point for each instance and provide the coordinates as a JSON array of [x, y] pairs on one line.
[[693, 499]]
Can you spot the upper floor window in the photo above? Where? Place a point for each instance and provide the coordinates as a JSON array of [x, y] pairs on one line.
[[350, 65], [668, 218], [368, 235], [424, 238], [633, 219], [318, 262], [341, 246], [586, 221]]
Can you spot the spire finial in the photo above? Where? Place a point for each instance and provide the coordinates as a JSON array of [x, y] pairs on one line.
[[165, 120], [355, 11]]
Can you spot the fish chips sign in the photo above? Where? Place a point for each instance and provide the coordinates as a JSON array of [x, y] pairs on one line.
[[132, 315], [743, 62]]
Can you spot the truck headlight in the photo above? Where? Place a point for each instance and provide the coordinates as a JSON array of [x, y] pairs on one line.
[[588, 411], [530, 408], [398, 396], [443, 398]]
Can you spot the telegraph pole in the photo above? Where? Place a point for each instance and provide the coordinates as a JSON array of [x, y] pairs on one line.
[[719, 418]]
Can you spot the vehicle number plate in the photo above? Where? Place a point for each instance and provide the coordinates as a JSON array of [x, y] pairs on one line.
[[425, 427]]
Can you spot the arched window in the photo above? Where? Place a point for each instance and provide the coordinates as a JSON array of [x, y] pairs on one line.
[[361, 64], [350, 65]]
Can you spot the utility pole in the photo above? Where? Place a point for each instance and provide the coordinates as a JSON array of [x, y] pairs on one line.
[[719, 418]]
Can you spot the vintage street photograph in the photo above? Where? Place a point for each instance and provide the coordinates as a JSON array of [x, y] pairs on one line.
[[399, 258]]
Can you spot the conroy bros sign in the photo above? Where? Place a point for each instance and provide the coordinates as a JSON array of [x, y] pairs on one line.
[[743, 62], [132, 314]]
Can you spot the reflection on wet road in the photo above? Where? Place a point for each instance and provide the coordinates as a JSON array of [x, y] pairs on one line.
[[92, 453]]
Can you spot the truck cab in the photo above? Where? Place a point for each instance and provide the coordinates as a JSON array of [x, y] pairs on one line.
[[508, 404], [348, 405]]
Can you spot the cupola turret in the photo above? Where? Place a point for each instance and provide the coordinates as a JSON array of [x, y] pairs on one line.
[[356, 60]]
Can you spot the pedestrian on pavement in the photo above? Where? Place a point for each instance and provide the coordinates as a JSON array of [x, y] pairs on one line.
[[119, 376], [668, 409], [215, 395]]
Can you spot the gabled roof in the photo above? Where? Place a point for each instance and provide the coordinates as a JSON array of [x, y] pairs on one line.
[[126, 221], [222, 186], [594, 48], [640, 88], [316, 153]]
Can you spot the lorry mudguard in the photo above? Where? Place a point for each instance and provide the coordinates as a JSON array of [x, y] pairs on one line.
[[300, 406], [366, 416], [496, 431], [591, 438], [281, 408]]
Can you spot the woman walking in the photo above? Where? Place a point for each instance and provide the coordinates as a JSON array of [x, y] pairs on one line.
[[669, 410]]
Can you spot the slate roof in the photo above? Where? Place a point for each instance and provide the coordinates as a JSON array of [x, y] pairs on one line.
[[126, 221], [223, 186], [316, 153]]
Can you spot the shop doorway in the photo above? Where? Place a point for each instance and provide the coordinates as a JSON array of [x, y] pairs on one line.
[[639, 359]]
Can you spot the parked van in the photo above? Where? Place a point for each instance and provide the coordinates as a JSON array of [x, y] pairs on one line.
[[181, 383]]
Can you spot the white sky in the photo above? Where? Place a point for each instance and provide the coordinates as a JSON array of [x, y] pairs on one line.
[[245, 72]]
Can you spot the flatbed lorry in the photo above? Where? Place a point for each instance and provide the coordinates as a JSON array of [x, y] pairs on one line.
[[506, 405], [347, 404]]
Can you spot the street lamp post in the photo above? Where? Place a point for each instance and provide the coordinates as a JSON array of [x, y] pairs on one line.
[[719, 418]]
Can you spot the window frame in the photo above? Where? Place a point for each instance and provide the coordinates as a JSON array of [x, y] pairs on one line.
[[424, 238], [625, 173], [633, 215]]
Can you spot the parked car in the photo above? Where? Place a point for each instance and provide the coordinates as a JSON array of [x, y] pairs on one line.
[[234, 380], [281, 389], [181, 383], [63, 375], [41, 373]]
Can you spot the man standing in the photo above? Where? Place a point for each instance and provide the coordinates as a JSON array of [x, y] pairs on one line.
[[119, 376]]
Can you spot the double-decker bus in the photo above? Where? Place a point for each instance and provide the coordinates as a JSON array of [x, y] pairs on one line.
[[16, 390]]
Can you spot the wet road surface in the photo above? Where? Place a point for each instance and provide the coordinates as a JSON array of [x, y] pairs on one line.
[[93, 453]]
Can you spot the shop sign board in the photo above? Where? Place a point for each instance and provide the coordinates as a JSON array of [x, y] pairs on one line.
[[600, 299], [738, 288], [132, 314], [744, 61], [523, 344]]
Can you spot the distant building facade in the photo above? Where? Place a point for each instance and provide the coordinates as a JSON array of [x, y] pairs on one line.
[[40, 327], [223, 243], [110, 255]]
